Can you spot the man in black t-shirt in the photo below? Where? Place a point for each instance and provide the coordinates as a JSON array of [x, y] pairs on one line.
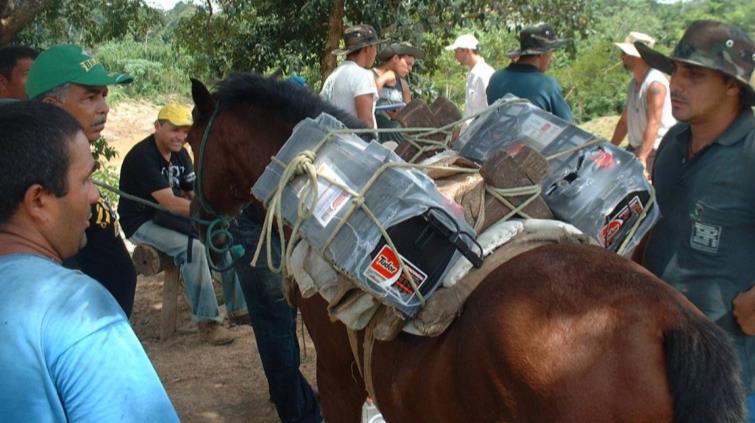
[[159, 169], [68, 77]]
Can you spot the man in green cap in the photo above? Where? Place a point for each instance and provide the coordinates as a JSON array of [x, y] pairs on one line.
[[704, 175], [526, 77], [67, 77]]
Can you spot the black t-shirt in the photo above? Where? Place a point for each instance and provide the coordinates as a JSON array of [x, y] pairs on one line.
[[145, 171], [105, 258]]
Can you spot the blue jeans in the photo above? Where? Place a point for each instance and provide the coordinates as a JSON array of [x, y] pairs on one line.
[[751, 408], [274, 324], [196, 274]]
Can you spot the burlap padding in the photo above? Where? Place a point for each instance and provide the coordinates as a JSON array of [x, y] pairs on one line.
[[447, 303]]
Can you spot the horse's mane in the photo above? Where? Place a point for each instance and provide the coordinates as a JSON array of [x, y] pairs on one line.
[[288, 101]]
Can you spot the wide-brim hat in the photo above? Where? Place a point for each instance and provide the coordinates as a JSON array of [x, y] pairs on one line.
[[357, 37], [402, 48], [538, 39], [68, 63], [712, 45], [628, 45]]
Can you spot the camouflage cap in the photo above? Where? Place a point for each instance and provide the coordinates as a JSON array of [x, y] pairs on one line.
[[713, 45], [356, 37]]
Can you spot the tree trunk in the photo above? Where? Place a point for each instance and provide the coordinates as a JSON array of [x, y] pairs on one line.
[[335, 29], [16, 14]]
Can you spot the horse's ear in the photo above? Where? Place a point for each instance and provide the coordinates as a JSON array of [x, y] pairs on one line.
[[202, 97]]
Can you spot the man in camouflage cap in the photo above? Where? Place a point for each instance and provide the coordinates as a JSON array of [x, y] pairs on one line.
[[704, 175], [351, 86]]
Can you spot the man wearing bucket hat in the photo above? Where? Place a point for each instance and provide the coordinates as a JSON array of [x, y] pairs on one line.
[[704, 175], [351, 86], [158, 169], [67, 77], [466, 50], [526, 77], [647, 115]]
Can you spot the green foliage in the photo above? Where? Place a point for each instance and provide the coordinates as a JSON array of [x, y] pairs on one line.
[[108, 175], [257, 35], [160, 72], [89, 22], [103, 152]]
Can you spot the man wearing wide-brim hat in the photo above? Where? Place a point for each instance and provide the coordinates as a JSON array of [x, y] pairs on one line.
[[526, 78], [647, 114], [704, 176], [68, 77], [351, 86]]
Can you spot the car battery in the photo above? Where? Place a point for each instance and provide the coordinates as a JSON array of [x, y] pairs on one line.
[[428, 230], [597, 187]]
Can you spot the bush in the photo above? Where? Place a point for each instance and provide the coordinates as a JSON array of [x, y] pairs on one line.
[[161, 72]]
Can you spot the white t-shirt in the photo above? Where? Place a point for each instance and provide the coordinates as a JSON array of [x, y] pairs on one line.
[[349, 80], [477, 84], [637, 109]]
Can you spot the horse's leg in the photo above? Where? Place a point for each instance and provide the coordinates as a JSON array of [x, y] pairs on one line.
[[342, 391]]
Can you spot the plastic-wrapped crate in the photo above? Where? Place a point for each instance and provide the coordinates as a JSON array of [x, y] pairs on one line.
[[426, 228], [600, 189]]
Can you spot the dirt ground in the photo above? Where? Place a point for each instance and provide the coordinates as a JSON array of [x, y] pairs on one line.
[[208, 383]]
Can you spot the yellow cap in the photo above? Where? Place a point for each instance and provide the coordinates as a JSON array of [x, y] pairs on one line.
[[176, 114]]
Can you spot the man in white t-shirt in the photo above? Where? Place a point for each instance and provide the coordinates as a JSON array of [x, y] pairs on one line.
[[466, 49], [647, 114], [351, 86]]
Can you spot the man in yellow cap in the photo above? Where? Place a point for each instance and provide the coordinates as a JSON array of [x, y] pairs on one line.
[[68, 77], [158, 169]]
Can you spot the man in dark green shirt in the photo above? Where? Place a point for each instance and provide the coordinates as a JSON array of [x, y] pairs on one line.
[[526, 77], [704, 176]]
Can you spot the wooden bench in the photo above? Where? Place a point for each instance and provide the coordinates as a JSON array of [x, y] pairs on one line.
[[148, 261]]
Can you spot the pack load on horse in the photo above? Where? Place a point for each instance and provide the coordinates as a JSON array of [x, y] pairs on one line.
[[559, 332], [405, 224], [591, 183]]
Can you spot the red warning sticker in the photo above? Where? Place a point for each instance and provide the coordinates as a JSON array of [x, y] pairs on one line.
[[385, 271]]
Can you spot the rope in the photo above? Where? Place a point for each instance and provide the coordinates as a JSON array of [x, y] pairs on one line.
[[216, 227], [303, 164]]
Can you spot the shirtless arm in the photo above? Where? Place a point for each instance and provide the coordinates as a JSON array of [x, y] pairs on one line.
[[621, 129], [656, 94], [363, 105]]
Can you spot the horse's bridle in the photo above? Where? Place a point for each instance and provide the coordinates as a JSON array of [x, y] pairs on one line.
[[219, 223]]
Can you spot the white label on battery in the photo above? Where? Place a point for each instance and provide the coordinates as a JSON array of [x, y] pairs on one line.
[[540, 130], [331, 199]]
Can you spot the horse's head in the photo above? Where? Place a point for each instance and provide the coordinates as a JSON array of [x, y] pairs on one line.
[[238, 129]]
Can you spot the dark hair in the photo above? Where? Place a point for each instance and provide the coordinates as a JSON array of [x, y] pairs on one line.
[[35, 150], [9, 56]]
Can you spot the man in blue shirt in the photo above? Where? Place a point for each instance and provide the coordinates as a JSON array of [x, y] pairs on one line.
[[526, 77], [67, 351], [704, 175]]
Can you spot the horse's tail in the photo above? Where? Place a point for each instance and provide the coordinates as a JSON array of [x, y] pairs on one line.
[[703, 372]]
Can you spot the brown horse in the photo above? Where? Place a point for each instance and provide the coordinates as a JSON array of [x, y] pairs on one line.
[[560, 333]]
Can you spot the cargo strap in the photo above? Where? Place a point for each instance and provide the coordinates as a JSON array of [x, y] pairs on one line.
[[365, 364]]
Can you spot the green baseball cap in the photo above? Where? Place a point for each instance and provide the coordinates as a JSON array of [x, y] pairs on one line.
[[68, 63], [712, 45]]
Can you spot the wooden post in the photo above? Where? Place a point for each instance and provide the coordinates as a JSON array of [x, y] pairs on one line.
[[149, 261]]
